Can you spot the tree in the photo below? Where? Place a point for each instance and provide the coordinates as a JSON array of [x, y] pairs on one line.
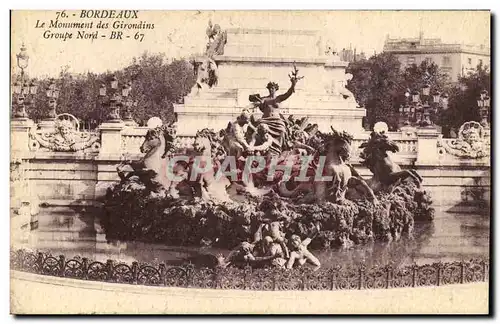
[[156, 85], [463, 98], [380, 85], [376, 84]]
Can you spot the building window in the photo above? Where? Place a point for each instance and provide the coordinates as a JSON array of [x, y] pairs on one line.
[[481, 62], [410, 60], [469, 60], [446, 61]]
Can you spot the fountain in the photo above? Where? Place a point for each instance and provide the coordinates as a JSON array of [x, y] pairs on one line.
[[232, 167], [252, 167]]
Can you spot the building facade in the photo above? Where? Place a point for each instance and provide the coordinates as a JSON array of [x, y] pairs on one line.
[[455, 60]]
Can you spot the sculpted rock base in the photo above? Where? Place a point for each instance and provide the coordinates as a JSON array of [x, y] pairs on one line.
[[134, 211]]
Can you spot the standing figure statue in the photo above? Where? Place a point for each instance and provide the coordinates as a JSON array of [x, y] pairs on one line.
[[269, 106], [217, 39]]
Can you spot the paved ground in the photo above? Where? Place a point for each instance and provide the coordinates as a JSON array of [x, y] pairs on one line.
[[34, 294]]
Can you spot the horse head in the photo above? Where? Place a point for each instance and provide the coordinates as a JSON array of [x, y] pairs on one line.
[[339, 143], [375, 150], [152, 141], [382, 143], [202, 144]]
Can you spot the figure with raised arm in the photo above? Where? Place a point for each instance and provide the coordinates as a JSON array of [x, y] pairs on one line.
[[269, 106], [300, 253]]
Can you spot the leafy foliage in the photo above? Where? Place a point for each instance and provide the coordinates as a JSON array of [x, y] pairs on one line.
[[380, 83], [156, 85], [376, 84], [463, 98]]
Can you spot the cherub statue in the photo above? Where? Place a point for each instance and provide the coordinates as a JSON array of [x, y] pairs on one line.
[[270, 253], [239, 255], [272, 224], [300, 252]]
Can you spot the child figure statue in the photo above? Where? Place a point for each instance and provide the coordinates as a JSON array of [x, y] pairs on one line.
[[301, 253]]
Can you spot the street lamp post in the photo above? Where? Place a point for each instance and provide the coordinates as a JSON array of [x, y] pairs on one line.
[[24, 90], [129, 103], [52, 93], [114, 100], [422, 105], [483, 103]]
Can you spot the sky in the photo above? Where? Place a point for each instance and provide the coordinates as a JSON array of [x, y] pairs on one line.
[[181, 33]]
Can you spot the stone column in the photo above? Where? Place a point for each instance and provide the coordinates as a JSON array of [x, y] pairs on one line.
[[19, 130], [20, 193], [427, 140], [111, 140]]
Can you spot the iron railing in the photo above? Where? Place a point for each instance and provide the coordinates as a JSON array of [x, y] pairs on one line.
[[335, 278]]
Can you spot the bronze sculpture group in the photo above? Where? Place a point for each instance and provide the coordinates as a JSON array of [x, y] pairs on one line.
[[272, 186], [279, 142], [267, 147]]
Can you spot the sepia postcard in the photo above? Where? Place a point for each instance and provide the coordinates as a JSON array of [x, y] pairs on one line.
[[250, 162]]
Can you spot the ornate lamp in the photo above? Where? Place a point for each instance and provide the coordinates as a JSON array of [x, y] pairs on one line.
[[52, 93], [426, 89], [102, 90], [415, 96], [436, 96], [118, 97], [114, 83], [129, 103], [444, 101], [483, 103], [23, 89], [22, 59]]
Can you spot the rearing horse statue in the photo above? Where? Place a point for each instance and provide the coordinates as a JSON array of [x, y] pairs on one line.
[[386, 173], [335, 150], [158, 146]]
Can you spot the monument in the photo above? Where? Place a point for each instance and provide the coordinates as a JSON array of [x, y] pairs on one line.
[[264, 169], [239, 62]]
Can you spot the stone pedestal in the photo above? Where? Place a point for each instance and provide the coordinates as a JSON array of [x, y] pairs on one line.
[[20, 129], [408, 132], [427, 145], [111, 140], [254, 57], [109, 156]]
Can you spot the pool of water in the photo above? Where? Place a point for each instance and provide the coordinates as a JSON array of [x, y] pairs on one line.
[[457, 233]]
